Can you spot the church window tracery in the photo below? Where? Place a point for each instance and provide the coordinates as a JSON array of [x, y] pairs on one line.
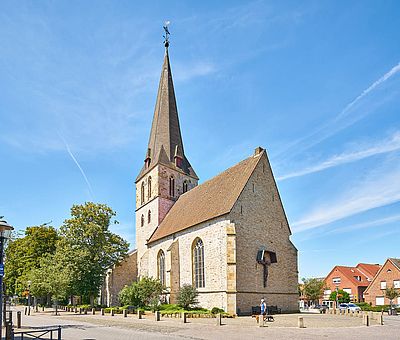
[[149, 188], [142, 193], [185, 186], [198, 263], [172, 186], [142, 220], [161, 267], [149, 216]]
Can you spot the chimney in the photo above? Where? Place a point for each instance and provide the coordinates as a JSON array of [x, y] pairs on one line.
[[258, 150]]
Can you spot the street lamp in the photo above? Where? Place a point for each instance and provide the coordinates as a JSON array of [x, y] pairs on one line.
[[5, 231]]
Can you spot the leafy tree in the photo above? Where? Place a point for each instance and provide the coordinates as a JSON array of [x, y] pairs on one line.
[[87, 248], [145, 292], [391, 294], [343, 297], [129, 295], [313, 289], [50, 279], [25, 254], [187, 296]]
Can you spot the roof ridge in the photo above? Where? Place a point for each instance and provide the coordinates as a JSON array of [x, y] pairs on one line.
[[211, 199]]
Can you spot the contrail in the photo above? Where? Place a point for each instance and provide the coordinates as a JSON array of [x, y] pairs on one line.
[[381, 80], [79, 167], [328, 127]]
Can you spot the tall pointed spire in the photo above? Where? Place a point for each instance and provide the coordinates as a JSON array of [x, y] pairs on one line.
[[165, 142]]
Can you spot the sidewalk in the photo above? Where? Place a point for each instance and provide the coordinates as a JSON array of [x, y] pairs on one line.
[[75, 326]]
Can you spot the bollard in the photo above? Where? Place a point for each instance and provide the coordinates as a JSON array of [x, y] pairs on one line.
[[93, 311], [85, 311], [219, 319], [18, 319], [139, 314], [380, 319], [125, 312], [183, 315], [366, 320], [112, 311], [9, 331], [36, 308], [75, 310], [157, 315], [43, 308], [102, 311], [300, 322]]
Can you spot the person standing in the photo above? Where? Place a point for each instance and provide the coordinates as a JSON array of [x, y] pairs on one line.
[[263, 311]]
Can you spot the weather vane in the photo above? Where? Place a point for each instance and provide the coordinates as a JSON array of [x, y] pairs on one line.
[[166, 36]]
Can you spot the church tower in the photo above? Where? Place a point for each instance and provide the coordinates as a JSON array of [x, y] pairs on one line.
[[166, 173]]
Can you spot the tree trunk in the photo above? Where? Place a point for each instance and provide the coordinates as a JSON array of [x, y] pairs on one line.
[[91, 300]]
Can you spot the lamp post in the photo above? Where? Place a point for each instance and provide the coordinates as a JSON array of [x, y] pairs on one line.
[[337, 297], [5, 230]]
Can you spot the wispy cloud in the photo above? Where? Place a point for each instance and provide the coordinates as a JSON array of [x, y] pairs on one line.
[[380, 188], [386, 146], [79, 167], [364, 225], [341, 120]]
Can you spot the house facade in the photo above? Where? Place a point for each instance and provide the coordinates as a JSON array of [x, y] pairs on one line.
[[353, 280], [387, 277]]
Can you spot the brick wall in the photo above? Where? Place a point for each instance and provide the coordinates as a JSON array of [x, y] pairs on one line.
[[388, 273], [120, 275]]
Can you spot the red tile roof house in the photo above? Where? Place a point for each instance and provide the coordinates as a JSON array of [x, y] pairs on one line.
[[387, 277], [353, 280]]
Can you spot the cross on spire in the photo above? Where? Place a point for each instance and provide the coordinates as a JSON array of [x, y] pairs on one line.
[[167, 34]]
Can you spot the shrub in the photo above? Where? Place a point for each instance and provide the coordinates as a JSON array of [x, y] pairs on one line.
[[216, 310], [145, 292], [187, 296]]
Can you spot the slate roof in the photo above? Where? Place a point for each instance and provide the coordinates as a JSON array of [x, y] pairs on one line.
[[206, 201], [165, 137], [396, 262]]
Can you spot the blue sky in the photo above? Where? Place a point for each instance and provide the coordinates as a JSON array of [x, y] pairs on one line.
[[317, 83]]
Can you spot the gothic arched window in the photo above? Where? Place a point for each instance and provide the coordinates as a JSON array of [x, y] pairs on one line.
[[172, 186], [185, 186], [161, 267], [142, 220], [198, 263], [149, 188], [142, 193], [149, 217]]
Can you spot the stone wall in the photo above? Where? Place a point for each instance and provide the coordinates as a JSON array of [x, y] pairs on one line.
[[120, 275], [214, 236], [260, 221]]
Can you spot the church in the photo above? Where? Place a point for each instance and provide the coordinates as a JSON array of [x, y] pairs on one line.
[[228, 236]]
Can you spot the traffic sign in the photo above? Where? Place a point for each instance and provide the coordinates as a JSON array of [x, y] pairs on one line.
[[1, 269]]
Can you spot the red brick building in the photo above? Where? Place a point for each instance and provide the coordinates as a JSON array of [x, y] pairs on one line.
[[353, 280], [387, 277]]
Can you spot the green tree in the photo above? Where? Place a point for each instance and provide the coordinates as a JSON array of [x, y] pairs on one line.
[[145, 292], [391, 294], [50, 280], [343, 297], [187, 296], [25, 254], [87, 248], [313, 289]]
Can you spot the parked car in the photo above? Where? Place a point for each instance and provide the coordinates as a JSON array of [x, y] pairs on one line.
[[322, 308], [349, 306], [353, 307]]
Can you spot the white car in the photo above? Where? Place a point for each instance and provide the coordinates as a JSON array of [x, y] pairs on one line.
[[353, 307]]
